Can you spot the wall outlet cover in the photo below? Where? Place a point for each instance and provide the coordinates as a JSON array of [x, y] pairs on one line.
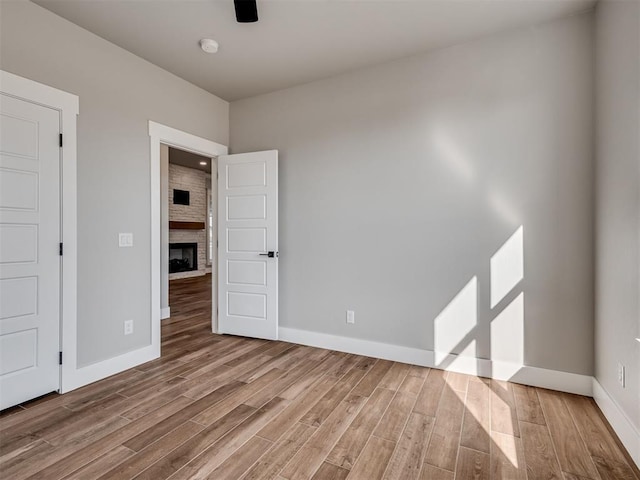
[[128, 327]]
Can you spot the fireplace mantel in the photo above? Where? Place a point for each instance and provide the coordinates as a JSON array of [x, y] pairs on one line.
[[186, 225]]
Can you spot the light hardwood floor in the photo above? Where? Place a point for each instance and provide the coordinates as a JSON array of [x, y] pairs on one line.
[[235, 408]]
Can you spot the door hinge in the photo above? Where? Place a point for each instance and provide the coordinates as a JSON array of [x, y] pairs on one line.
[[59, 358], [60, 140], [61, 248]]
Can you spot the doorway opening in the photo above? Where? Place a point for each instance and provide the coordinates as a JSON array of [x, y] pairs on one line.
[[189, 227], [161, 139], [244, 279]]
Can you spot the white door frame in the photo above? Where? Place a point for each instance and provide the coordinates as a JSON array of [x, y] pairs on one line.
[[158, 134], [68, 106]]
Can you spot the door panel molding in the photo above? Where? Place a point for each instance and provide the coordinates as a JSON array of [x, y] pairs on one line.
[[67, 105], [248, 242]]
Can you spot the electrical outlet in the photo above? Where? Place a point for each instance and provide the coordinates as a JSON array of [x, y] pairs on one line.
[[351, 316], [128, 327], [621, 374]]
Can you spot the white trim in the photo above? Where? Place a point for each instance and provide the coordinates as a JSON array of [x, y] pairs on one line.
[[186, 141], [165, 313], [368, 348], [158, 134], [624, 428], [538, 377], [39, 93], [68, 105], [554, 380], [103, 369]]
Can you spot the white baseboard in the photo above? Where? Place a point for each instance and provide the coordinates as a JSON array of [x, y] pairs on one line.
[[368, 348], [534, 376], [554, 380], [101, 370], [626, 431], [165, 313]]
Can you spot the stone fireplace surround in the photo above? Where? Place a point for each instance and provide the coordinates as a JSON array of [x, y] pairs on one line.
[[194, 181]]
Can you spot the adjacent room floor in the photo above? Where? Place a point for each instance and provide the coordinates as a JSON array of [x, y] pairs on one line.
[[230, 408]]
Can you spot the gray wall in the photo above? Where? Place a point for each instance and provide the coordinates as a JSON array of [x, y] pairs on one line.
[[618, 201], [119, 93], [398, 184]]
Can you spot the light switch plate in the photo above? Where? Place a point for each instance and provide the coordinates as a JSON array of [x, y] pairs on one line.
[[351, 316], [621, 375], [125, 239]]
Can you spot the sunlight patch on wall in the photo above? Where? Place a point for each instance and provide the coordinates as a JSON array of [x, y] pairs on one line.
[[507, 266], [455, 321], [507, 334], [453, 156], [502, 207]]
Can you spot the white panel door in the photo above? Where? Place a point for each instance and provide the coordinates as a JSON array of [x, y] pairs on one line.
[[248, 244], [29, 250]]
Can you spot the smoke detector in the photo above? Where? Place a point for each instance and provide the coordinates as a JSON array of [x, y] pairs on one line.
[[208, 45]]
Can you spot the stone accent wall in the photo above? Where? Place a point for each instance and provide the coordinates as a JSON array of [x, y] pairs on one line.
[[195, 182]]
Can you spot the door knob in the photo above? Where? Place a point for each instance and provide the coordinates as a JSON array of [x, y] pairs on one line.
[[268, 254]]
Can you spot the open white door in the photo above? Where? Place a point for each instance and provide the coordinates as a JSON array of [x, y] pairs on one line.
[[248, 244], [29, 250]]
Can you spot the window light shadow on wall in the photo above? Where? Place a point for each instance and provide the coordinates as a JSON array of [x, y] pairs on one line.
[[502, 207], [458, 319], [507, 339], [457, 331], [507, 325], [507, 266], [455, 158]]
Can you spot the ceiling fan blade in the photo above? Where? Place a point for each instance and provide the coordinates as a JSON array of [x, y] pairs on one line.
[[246, 11]]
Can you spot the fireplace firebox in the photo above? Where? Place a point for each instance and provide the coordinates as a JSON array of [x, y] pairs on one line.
[[183, 257]]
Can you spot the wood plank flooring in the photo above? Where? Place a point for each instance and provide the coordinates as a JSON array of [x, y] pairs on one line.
[[225, 407]]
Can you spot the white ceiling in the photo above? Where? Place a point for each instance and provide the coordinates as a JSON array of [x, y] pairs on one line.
[[295, 41], [188, 159]]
